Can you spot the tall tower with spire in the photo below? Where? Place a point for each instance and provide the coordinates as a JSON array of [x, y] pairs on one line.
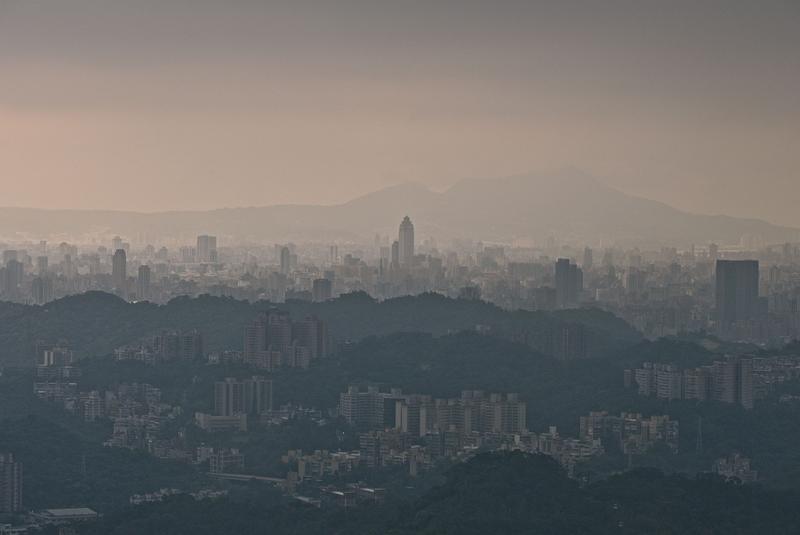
[[406, 242]]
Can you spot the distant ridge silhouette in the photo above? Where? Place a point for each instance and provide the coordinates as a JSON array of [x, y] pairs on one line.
[[569, 205]]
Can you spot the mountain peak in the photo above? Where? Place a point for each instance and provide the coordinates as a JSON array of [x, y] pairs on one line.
[[567, 203]]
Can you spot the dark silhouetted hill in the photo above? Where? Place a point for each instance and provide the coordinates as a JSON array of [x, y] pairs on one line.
[[508, 493], [95, 323]]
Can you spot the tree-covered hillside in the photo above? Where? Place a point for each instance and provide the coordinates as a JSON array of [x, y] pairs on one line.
[[494, 493], [95, 323]]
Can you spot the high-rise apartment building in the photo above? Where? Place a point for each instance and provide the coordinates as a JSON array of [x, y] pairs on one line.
[[728, 380], [10, 484], [568, 342], [696, 383], [732, 381], [311, 333], [191, 345], [368, 409], [233, 397], [229, 397], [736, 292], [274, 340]]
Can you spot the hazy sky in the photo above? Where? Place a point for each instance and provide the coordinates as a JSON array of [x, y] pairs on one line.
[[153, 105]]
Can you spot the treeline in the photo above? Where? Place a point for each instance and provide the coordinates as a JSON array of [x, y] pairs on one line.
[[95, 323]]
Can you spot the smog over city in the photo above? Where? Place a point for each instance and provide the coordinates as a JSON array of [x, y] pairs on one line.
[[351, 267]]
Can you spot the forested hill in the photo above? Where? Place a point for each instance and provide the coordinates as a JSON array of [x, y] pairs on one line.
[[95, 323], [495, 493], [520, 493]]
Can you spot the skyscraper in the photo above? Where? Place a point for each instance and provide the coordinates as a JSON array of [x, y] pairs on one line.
[[395, 255], [286, 260], [569, 283], [206, 248], [41, 265], [321, 290], [736, 292], [10, 484], [406, 242], [42, 290], [143, 283], [562, 282], [588, 258], [14, 273], [119, 272]]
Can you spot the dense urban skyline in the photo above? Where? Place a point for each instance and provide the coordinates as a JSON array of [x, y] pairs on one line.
[[354, 267]]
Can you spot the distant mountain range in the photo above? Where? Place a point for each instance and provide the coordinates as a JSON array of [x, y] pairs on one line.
[[569, 205]]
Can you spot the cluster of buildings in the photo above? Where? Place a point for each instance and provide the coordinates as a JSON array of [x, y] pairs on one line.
[[138, 414], [136, 410], [130, 404], [769, 372], [631, 432], [275, 340], [417, 414], [234, 401], [161, 494], [166, 346], [735, 466], [321, 463], [416, 430], [661, 291], [220, 460], [39, 273], [728, 380], [351, 495], [141, 288], [55, 363]]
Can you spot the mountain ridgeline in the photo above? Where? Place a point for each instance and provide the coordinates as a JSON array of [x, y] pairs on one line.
[[570, 205], [95, 323]]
